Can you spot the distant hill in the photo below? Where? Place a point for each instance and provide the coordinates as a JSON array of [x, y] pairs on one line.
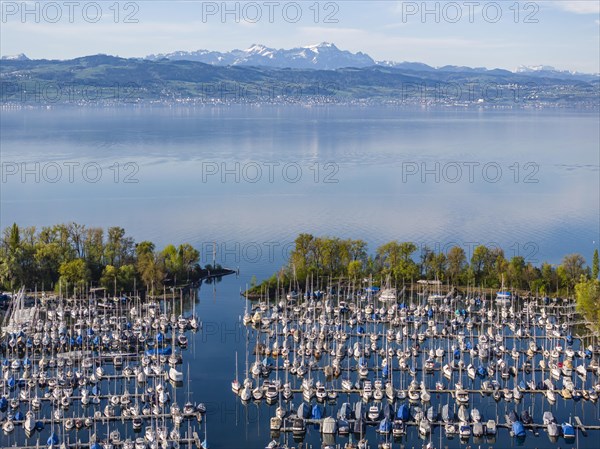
[[180, 80]]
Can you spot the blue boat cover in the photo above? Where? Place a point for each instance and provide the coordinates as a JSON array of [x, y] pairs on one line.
[[52, 439], [568, 430], [518, 429], [403, 413], [159, 351], [317, 413], [385, 425]]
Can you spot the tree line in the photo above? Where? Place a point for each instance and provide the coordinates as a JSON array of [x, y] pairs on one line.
[[401, 262], [74, 257]]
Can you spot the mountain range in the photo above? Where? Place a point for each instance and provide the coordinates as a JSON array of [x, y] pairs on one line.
[[324, 56], [327, 56]]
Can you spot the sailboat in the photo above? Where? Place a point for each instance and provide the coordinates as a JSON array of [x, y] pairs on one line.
[[205, 441], [175, 376], [388, 294], [503, 296], [235, 384], [29, 423]]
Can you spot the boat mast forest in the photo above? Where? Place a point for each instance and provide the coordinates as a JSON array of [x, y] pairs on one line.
[[320, 261]]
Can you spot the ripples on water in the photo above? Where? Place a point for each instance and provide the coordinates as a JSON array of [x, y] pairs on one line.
[[370, 148]]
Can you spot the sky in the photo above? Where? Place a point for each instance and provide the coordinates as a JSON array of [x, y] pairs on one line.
[[495, 34]]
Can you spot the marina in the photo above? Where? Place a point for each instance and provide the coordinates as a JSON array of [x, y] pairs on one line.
[[98, 372], [353, 365], [362, 365]]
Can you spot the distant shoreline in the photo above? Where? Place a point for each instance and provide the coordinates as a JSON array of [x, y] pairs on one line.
[[576, 107]]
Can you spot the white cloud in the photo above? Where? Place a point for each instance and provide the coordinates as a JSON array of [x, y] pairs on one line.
[[579, 6]]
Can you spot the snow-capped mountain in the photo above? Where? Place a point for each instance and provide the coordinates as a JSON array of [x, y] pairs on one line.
[[418, 66], [19, 57], [534, 68], [551, 72], [324, 56]]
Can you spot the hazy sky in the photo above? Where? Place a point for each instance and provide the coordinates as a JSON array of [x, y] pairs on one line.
[[506, 34]]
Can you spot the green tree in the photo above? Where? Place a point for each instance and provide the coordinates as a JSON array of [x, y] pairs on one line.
[[336, 256], [587, 293], [11, 271], [127, 278], [358, 250], [516, 268], [532, 277], [389, 256], [172, 260], [13, 238], [573, 268], [302, 256], [549, 278], [439, 265], [426, 266], [502, 270], [479, 260], [457, 262], [595, 265], [153, 271], [355, 270], [60, 235], [318, 254], [189, 256], [484, 263], [469, 276], [180, 261], [93, 250], [119, 248], [371, 266], [77, 236], [406, 269], [74, 273], [144, 248], [562, 277], [48, 257], [120, 279], [495, 266], [109, 278]]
